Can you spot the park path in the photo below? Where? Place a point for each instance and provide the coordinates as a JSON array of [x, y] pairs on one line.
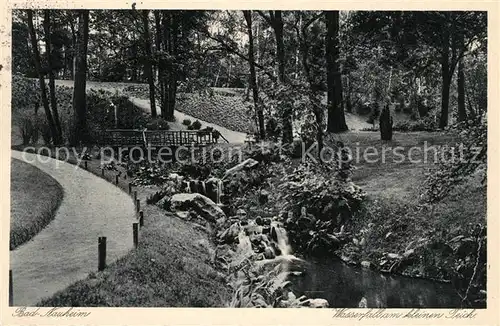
[[233, 137], [66, 250]]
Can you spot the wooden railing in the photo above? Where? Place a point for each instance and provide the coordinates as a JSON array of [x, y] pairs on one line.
[[133, 137]]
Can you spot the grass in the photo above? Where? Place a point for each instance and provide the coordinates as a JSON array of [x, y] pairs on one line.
[[172, 266], [35, 197], [393, 219]]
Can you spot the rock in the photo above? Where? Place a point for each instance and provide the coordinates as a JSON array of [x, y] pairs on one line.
[[365, 264], [259, 220], [276, 249], [268, 253], [263, 197], [266, 230], [245, 165], [193, 186], [363, 303], [244, 223], [197, 203], [212, 189], [408, 253], [267, 221], [394, 256], [315, 303]]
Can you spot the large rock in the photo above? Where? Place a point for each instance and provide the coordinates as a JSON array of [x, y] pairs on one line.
[[247, 164], [199, 204]]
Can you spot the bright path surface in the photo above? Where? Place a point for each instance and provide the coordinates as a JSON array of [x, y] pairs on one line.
[[66, 250]]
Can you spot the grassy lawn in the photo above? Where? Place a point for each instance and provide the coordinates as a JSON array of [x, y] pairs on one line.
[[35, 197], [172, 266]]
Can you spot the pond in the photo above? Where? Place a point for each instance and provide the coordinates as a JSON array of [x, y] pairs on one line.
[[345, 286]]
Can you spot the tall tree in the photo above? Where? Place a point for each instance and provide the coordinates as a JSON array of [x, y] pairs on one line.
[[41, 78], [80, 132], [253, 77], [50, 67], [336, 116], [275, 20], [148, 66]]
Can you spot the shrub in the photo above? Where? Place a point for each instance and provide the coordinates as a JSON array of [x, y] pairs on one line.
[[455, 170], [320, 200], [156, 197], [158, 124], [426, 124], [26, 127], [186, 122], [45, 132], [196, 125], [265, 152]]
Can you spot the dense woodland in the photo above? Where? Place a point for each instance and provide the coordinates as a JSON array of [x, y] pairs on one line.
[[331, 78], [425, 63]]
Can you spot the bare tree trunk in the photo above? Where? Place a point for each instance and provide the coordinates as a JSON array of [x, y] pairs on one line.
[[79, 91], [336, 116], [52, 87], [148, 67], [462, 113], [253, 77], [41, 79], [161, 70]]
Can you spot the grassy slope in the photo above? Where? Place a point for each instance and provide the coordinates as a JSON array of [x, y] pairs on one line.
[[35, 197], [393, 192], [170, 268]]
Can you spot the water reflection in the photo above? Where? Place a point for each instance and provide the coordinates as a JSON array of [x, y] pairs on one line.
[[345, 286]]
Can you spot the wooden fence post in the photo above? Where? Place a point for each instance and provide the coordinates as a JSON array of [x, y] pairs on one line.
[[138, 205], [135, 229], [141, 218], [86, 168], [11, 289], [102, 172], [130, 188], [116, 179], [135, 196], [102, 253]]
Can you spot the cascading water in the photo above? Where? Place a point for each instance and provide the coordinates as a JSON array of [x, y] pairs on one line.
[[219, 192], [282, 240]]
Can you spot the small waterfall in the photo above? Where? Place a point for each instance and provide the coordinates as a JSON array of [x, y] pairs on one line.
[[282, 240], [219, 192], [202, 189]]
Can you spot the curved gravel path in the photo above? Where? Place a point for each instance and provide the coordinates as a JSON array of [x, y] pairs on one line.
[[66, 250]]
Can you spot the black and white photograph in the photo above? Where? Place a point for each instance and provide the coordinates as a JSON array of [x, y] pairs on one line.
[[248, 159]]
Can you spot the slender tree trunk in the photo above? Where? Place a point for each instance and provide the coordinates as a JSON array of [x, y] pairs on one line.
[[148, 67], [41, 79], [336, 116], [277, 21], [161, 70], [253, 76], [52, 87], [462, 113], [445, 85], [79, 91]]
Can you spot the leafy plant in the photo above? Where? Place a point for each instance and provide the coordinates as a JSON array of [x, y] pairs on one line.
[[186, 122], [196, 125]]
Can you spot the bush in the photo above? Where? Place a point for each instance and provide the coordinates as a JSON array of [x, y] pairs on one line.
[[26, 127], [426, 124], [186, 122], [455, 169], [196, 125], [265, 153], [158, 124], [45, 132], [320, 200]]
